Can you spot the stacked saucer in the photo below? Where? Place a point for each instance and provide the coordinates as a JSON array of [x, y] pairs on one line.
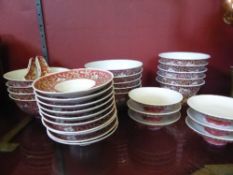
[[154, 107], [77, 107], [182, 71], [20, 90], [127, 75], [211, 116]]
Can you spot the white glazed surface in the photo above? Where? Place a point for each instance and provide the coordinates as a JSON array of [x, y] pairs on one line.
[[213, 105], [184, 55]]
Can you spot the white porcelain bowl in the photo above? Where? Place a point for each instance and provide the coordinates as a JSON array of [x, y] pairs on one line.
[[119, 67]]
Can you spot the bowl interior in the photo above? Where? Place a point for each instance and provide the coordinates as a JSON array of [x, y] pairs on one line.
[[184, 55], [155, 96]]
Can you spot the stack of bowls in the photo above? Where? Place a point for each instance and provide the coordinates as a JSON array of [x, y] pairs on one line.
[[77, 106], [154, 107], [182, 71], [211, 116], [21, 91], [127, 75]]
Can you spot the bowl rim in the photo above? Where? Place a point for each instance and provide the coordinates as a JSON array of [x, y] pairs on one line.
[[182, 55], [215, 98], [15, 99], [21, 93], [129, 87], [168, 64], [158, 123], [187, 80], [204, 123], [131, 75], [130, 106], [152, 90], [179, 85], [128, 82], [203, 71], [112, 62], [73, 92]]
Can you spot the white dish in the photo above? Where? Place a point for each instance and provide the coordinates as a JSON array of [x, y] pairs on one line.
[[200, 119], [155, 96], [200, 130], [85, 142], [164, 122], [213, 105]]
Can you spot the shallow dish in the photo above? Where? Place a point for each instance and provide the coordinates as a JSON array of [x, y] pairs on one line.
[[201, 119], [181, 76], [73, 83], [214, 140], [182, 68], [140, 109], [128, 78], [92, 114], [179, 82], [119, 67], [84, 142], [75, 100], [213, 106], [184, 58], [156, 100]]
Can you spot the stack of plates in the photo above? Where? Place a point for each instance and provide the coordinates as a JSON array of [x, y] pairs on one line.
[[127, 75], [154, 107], [211, 116], [21, 91], [182, 71], [77, 107]]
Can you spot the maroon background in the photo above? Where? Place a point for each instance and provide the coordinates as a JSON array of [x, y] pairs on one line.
[[79, 31]]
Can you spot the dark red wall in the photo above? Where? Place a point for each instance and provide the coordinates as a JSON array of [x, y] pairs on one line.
[[79, 31]]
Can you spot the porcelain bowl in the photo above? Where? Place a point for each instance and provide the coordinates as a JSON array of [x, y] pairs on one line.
[[184, 58], [16, 78], [179, 82], [22, 96], [73, 83], [128, 84], [128, 78], [22, 91], [183, 69], [156, 100], [181, 76], [27, 106], [126, 89], [119, 67]]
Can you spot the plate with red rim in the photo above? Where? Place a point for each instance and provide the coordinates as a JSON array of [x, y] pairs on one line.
[[200, 119], [84, 131], [80, 117], [73, 83], [85, 142], [163, 122], [215, 106], [222, 140]]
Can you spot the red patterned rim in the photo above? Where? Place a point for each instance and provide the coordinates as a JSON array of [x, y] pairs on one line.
[[47, 83]]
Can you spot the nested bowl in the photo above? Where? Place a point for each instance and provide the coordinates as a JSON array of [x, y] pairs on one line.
[[27, 106], [24, 90], [216, 109], [126, 89], [119, 67], [184, 58], [128, 84], [178, 81], [156, 100], [181, 76], [128, 78], [16, 78], [29, 96], [73, 83], [195, 69]]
